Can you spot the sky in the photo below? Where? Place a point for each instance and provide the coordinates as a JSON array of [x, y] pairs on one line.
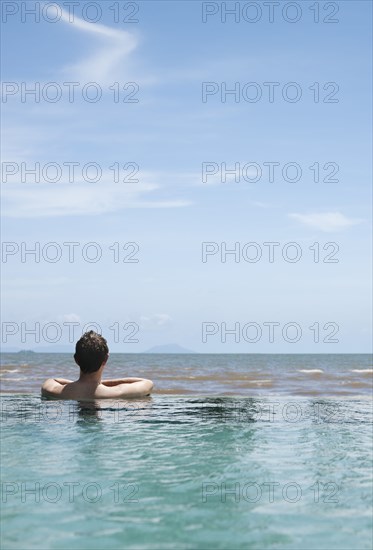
[[161, 136]]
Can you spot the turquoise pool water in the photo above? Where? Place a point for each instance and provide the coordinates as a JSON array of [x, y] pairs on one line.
[[187, 472]]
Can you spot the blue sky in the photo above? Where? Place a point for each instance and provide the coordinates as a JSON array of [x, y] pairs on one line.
[[169, 212]]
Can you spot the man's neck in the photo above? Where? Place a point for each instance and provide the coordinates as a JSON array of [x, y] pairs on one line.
[[92, 378]]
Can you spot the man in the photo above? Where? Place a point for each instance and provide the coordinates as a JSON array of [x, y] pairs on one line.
[[91, 355]]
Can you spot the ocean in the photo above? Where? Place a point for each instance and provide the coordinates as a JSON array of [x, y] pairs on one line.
[[207, 374], [229, 452]]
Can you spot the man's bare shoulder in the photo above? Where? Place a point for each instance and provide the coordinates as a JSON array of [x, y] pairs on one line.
[[51, 388], [67, 389]]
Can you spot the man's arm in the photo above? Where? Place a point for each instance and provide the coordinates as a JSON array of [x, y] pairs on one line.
[[117, 381], [138, 388]]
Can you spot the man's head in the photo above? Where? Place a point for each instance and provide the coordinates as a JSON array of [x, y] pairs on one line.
[[91, 352]]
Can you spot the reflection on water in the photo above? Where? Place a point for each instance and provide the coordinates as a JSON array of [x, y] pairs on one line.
[[124, 408], [186, 409]]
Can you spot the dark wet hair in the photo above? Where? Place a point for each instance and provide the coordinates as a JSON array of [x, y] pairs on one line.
[[91, 351]]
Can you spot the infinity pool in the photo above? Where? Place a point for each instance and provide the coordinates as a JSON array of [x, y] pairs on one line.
[[183, 472]]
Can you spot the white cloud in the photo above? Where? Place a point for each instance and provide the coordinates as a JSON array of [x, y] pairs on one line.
[[154, 321], [105, 63], [327, 221], [76, 199], [71, 318]]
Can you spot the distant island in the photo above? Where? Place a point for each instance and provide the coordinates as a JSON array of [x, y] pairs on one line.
[[169, 348], [16, 350], [41, 349]]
